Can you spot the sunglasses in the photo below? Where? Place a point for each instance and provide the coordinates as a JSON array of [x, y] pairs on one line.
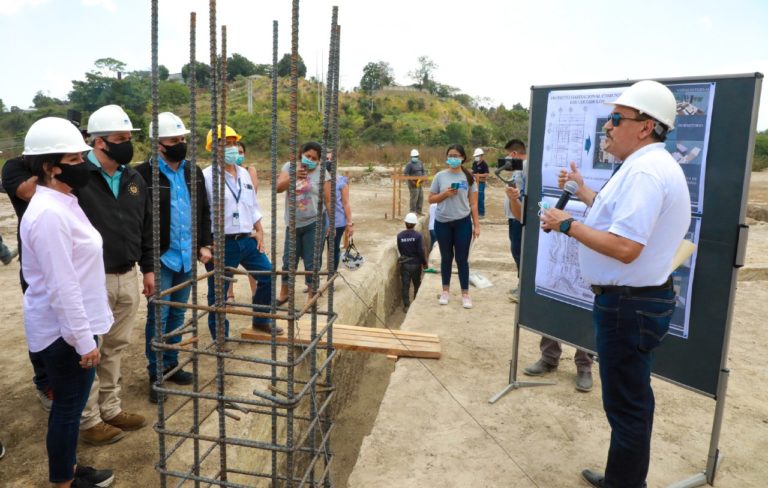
[[616, 119]]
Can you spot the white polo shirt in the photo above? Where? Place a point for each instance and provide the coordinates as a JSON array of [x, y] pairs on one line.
[[646, 201], [241, 209], [64, 266]]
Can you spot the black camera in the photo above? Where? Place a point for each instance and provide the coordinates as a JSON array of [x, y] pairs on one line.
[[510, 164]]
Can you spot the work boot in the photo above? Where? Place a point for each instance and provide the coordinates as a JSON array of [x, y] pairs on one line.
[[153, 395], [46, 398], [101, 434], [584, 381], [6, 255], [180, 377], [102, 478], [127, 421], [597, 480], [539, 368], [267, 328]]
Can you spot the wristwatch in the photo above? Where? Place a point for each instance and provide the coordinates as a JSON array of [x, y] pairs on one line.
[[565, 226]]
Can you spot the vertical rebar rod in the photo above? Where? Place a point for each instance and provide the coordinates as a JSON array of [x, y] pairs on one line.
[[293, 148], [334, 168], [155, 241], [192, 162], [221, 335], [273, 309]]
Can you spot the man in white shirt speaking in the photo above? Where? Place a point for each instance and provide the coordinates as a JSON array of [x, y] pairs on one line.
[[626, 246]]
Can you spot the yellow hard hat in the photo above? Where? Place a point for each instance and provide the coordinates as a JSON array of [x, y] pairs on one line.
[[228, 132]]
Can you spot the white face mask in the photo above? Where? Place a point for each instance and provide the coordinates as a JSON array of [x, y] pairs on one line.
[[231, 154]]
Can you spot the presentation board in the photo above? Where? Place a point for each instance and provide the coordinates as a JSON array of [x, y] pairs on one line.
[[713, 142]]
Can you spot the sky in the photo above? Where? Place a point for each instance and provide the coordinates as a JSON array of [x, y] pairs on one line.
[[487, 48]]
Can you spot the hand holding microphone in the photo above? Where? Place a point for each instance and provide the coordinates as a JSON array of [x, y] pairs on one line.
[[549, 218]]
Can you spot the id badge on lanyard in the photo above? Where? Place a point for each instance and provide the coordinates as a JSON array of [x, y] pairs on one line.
[[235, 219]]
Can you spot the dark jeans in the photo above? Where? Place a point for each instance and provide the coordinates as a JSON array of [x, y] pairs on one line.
[[70, 384], [410, 272], [481, 199], [627, 330], [171, 317], [454, 238], [337, 246], [515, 241], [305, 250], [245, 253]]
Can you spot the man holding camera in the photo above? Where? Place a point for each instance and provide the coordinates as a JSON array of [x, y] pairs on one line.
[[626, 245]]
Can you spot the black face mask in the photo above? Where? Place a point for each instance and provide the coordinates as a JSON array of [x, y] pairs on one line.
[[175, 153], [121, 153], [74, 175]]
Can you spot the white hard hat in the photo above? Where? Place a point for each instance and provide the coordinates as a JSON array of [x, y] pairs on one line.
[[53, 135], [651, 98], [169, 125], [109, 119], [411, 218], [478, 152], [414, 153]]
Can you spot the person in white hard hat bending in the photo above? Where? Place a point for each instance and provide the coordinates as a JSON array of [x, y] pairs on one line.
[[410, 245], [626, 245], [117, 203], [415, 168], [480, 171], [65, 304], [176, 254]]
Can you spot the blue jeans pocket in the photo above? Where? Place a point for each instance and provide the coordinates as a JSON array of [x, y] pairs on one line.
[[653, 328]]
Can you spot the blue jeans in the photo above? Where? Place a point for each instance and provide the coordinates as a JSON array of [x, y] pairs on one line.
[[481, 199], [305, 250], [337, 246], [171, 317], [515, 241], [454, 238], [245, 253], [71, 385], [627, 330]]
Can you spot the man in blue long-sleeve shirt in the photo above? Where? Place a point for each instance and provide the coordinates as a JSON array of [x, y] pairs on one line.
[[413, 259]]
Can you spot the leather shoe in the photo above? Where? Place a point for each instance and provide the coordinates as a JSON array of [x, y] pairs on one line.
[[181, 377], [539, 368], [268, 328], [584, 381], [593, 478]]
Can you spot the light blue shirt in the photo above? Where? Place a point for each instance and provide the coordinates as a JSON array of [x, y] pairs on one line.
[[114, 180], [178, 257]]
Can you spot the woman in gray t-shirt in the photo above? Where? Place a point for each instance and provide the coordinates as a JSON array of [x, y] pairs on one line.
[[456, 220], [308, 192]]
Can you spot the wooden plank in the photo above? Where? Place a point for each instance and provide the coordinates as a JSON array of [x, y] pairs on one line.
[[373, 330], [365, 339]]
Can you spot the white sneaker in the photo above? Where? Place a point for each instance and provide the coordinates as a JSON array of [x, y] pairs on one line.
[[443, 300], [466, 302]]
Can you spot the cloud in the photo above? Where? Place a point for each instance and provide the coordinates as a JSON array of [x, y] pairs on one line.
[[704, 23], [9, 7], [105, 4]]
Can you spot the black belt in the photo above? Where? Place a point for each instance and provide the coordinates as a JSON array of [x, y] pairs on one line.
[[630, 290], [121, 269], [236, 237]]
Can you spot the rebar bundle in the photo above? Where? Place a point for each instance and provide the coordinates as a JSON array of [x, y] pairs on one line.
[[235, 378]]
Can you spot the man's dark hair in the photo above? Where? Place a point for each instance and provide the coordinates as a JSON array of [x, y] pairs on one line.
[[312, 146], [410, 226], [515, 145], [37, 162]]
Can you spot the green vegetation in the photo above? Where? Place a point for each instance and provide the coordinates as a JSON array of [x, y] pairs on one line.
[[760, 160]]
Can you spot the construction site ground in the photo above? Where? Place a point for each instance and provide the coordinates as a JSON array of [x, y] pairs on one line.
[[427, 423]]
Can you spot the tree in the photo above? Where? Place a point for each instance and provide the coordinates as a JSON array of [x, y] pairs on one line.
[[110, 65], [163, 73], [2, 106], [376, 76], [239, 65], [41, 100], [423, 75], [202, 73], [173, 94], [284, 67]]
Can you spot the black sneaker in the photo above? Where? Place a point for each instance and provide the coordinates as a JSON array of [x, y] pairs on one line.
[[181, 377], [87, 477]]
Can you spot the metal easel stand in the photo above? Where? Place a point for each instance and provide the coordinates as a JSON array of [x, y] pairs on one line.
[[707, 477], [513, 383]]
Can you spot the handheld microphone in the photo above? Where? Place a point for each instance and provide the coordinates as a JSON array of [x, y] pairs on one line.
[[569, 190]]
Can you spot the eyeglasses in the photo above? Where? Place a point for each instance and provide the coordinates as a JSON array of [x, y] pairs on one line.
[[616, 118]]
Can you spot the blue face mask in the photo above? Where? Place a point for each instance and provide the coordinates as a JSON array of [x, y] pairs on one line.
[[230, 155], [308, 163], [240, 159], [453, 162]]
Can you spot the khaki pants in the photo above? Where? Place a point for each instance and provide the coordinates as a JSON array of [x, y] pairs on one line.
[[104, 399]]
